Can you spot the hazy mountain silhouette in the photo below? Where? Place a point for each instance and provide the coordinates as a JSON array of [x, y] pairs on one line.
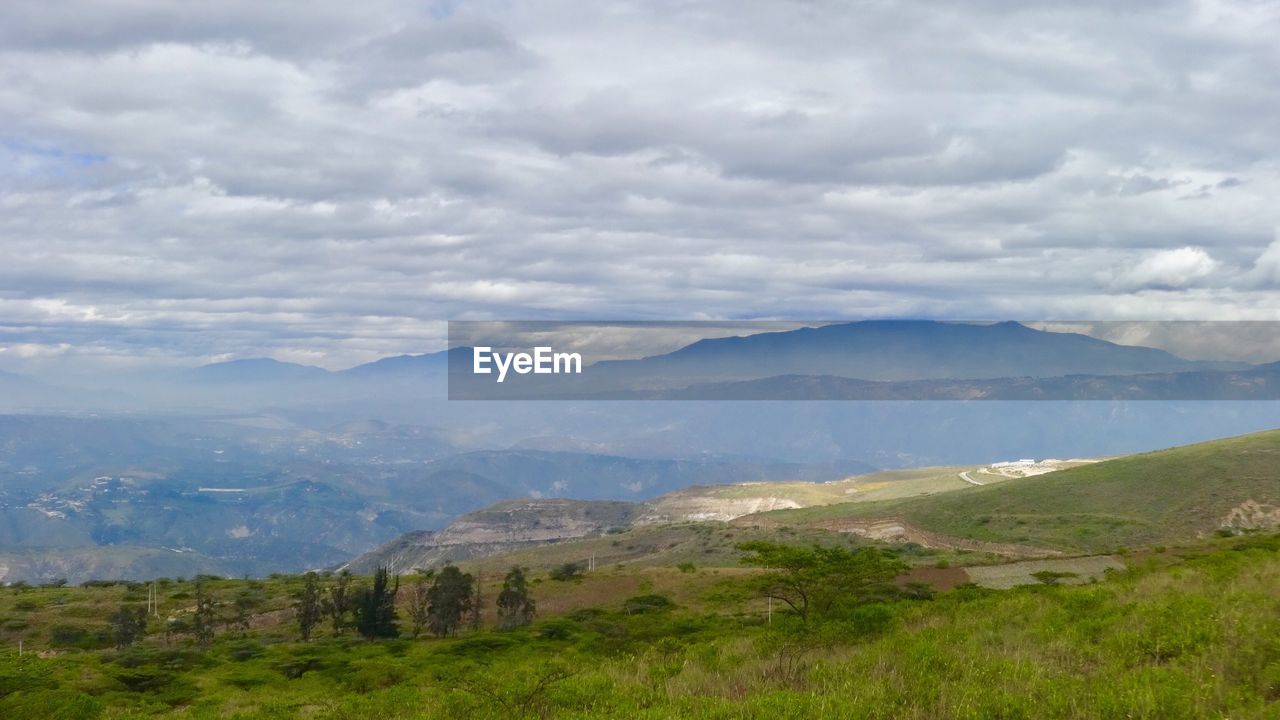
[[911, 350], [256, 370], [873, 351]]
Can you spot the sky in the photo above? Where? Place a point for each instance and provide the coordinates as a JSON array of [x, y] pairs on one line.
[[328, 182]]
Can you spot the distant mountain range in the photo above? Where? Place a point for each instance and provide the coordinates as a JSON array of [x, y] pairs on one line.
[[862, 360], [870, 360], [889, 350], [266, 370], [256, 370], [878, 350]]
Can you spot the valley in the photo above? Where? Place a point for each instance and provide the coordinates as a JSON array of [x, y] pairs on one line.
[[1153, 572]]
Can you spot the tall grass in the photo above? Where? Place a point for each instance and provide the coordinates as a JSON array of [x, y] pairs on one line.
[[1191, 638]]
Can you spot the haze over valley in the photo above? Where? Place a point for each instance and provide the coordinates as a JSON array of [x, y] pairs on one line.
[[255, 467]]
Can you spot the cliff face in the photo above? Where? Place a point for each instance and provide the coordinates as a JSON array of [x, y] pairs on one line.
[[507, 525], [514, 524], [705, 504]]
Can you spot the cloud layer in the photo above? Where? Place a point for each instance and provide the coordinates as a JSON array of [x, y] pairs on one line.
[[327, 182]]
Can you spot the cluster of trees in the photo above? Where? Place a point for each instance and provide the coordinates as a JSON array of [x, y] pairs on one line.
[[440, 602], [129, 622], [812, 583]]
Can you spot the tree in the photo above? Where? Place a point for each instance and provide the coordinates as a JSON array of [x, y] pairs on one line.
[[128, 625], [477, 605], [1052, 577], [244, 605], [205, 618], [376, 607], [420, 602], [337, 603], [518, 691], [448, 600], [812, 581], [308, 610], [565, 572], [515, 606]]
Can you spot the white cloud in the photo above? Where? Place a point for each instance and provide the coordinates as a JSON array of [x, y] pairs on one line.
[[1168, 270], [1266, 269], [248, 179]]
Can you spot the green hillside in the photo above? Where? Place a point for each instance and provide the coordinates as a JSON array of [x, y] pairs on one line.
[[1149, 498], [1189, 633]]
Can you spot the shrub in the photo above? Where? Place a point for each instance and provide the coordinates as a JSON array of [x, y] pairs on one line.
[[246, 649], [556, 630], [374, 675], [247, 678], [642, 604], [566, 572], [50, 704], [72, 636], [1052, 577]]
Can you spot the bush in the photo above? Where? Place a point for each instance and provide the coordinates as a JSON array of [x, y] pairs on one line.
[[556, 630], [71, 636], [310, 658], [54, 704], [247, 678], [565, 572], [247, 649], [480, 646], [642, 604], [374, 675]]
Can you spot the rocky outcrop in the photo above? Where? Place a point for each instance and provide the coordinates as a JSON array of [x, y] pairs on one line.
[[503, 527], [694, 506], [1252, 515]]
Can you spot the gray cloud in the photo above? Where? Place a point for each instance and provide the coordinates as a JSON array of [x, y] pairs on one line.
[[328, 182]]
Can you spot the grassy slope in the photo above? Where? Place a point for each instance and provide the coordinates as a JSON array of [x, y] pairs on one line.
[[702, 544], [1188, 634], [881, 485], [1154, 497]]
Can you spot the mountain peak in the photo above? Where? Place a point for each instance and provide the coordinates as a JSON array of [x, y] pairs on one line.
[[257, 370]]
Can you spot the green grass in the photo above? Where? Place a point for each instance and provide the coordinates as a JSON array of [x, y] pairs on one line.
[[1138, 500], [1189, 633]]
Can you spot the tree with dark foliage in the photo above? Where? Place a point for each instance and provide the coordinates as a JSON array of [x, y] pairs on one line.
[[515, 606], [566, 572], [337, 603], [307, 610], [376, 607], [420, 602], [812, 581], [449, 600], [477, 605], [128, 625], [204, 620]]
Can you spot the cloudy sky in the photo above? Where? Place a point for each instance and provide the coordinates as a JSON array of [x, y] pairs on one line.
[[328, 181]]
